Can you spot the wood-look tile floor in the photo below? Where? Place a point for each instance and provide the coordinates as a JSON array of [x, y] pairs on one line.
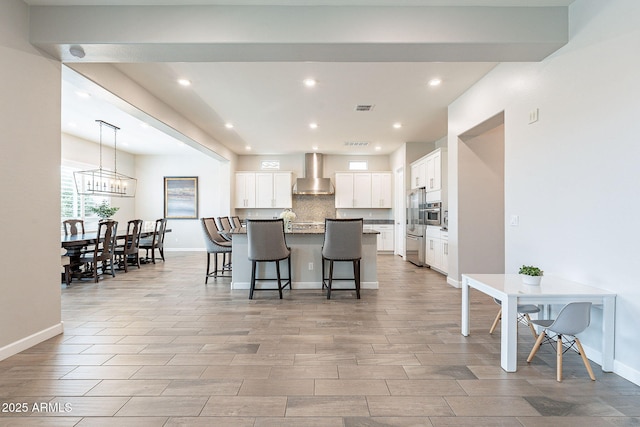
[[158, 347]]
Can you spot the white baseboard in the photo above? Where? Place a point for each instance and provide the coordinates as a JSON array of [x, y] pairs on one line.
[[310, 285], [619, 368], [452, 282], [28, 342]]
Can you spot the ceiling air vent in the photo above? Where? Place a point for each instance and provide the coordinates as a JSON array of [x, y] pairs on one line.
[[356, 143], [364, 107]]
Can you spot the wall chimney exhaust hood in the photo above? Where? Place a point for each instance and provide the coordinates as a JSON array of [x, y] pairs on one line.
[[313, 182]]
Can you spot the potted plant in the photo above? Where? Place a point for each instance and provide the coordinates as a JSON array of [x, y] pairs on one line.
[[104, 210], [531, 275]]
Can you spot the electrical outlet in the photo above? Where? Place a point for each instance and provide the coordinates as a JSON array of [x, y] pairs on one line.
[[310, 266]]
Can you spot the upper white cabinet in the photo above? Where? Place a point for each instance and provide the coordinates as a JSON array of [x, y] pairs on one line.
[[263, 190], [427, 171], [381, 190], [245, 190], [434, 171], [419, 173], [363, 190]]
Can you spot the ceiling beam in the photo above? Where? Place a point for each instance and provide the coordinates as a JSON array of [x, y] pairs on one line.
[[298, 33]]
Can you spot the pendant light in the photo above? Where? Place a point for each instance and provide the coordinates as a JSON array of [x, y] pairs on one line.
[[103, 182]]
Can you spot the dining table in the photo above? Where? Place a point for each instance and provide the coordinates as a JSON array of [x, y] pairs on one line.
[[510, 290], [73, 243]]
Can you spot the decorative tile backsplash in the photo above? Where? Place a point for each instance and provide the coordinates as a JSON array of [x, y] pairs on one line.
[[310, 208]]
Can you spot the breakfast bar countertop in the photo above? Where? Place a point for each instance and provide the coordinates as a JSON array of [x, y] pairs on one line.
[[301, 229]]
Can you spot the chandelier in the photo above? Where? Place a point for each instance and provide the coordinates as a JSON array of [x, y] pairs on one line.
[[103, 182]]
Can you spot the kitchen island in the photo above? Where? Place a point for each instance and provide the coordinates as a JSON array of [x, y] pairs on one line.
[[306, 260]]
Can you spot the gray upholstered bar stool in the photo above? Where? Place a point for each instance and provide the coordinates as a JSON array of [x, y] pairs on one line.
[[342, 242], [215, 245], [267, 244]]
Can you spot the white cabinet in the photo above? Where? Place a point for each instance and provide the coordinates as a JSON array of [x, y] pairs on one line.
[[245, 190], [419, 173], [385, 238], [363, 190], [433, 169], [381, 190], [263, 190], [437, 249], [427, 171], [273, 190]]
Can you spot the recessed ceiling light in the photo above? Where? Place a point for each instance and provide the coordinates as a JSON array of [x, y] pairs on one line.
[[435, 82], [228, 125], [73, 124], [378, 148], [314, 148], [310, 82], [144, 125], [248, 148], [397, 125], [184, 82], [82, 94], [313, 125]]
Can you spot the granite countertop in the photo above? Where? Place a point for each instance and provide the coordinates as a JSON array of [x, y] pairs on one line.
[[314, 230]]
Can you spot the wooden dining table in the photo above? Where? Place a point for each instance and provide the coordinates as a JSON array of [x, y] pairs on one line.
[[74, 243]]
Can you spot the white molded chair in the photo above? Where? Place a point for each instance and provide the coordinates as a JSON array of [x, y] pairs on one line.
[[572, 319], [524, 310]]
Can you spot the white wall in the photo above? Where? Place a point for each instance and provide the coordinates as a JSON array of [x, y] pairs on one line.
[[30, 172], [213, 193], [572, 177]]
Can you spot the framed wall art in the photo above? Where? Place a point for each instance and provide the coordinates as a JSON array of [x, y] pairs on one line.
[[181, 197]]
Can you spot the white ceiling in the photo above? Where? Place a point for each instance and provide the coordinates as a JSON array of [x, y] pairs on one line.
[[267, 102]]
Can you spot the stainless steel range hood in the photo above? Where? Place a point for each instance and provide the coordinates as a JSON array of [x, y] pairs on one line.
[[313, 182]]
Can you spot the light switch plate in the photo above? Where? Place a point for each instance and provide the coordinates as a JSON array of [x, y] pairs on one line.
[[514, 220]]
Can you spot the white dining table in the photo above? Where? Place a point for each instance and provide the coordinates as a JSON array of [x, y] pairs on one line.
[[510, 290]]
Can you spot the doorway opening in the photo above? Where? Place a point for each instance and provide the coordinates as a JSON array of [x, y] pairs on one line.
[[481, 210]]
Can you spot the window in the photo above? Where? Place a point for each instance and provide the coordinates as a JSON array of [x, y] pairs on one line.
[[270, 165], [73, 205], [358, 165]]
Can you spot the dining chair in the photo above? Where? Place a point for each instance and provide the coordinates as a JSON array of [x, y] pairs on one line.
[[73, 227], [524, 310], [129, 251], [235, 222], [267, 243], [104, 250], [215, 245], [65, 262], [156, 241], [224, 227], [342, 243], [572, 320]]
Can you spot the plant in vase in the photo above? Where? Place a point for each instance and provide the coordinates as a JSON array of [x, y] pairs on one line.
[[104, 210], [530, 275], [288, 216]]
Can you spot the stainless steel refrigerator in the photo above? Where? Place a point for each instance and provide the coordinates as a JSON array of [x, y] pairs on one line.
[[416, 226]]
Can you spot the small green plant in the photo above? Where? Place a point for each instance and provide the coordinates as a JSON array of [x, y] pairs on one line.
[[103, 210], [530, 270]]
